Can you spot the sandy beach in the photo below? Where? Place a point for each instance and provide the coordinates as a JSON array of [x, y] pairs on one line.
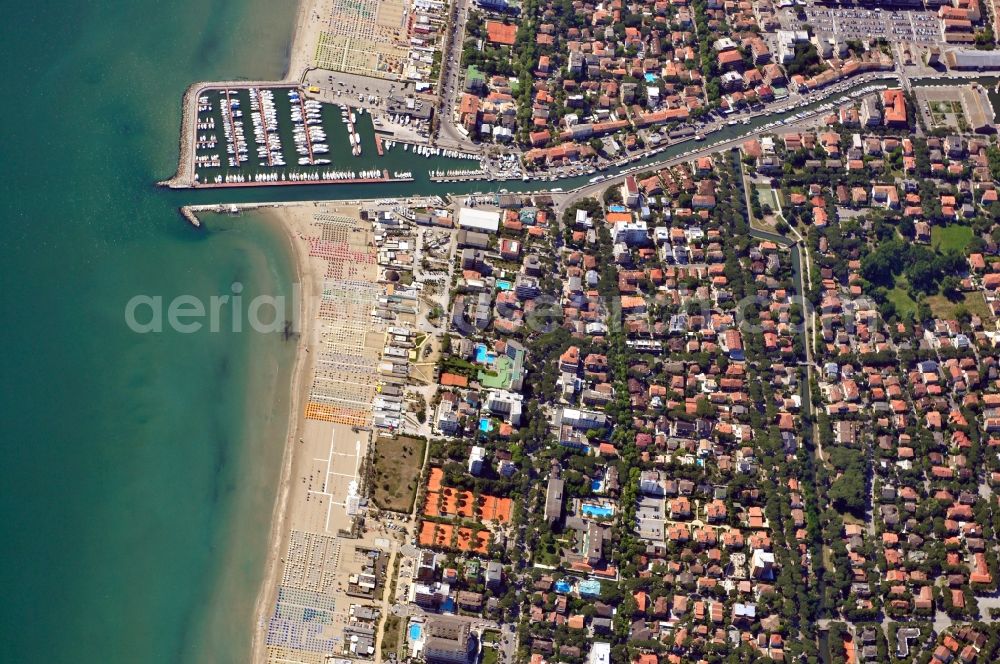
[[309, 280], [333, 386], [295, 225], [308, 26], [311, 553]]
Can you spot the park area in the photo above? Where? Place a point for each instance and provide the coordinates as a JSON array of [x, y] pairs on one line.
[[948, 114], [953, 237], [396, 472], [900, 297], [960, 108], [973, 303]]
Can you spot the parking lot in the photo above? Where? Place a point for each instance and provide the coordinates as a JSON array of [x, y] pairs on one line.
[[918, 26]]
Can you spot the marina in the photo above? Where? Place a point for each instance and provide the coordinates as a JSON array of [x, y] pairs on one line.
[[284, 116], [441, 174], [275, 135]]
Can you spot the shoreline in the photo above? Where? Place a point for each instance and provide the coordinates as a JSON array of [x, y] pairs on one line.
[[300, 381], [301, 374], [294, 221]]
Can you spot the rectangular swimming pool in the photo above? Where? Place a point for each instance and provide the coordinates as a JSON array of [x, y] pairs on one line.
[[599, 511]]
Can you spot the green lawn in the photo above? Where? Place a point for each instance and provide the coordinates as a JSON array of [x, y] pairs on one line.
[[899, 297], [827, 557], [396, 472], [490, 656], [768, 197], [952, 237], [457, 365], [851, 519], [974, 303]]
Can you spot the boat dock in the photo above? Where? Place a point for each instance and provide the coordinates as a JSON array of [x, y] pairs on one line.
[[308, 133], [238, 134], [267, 137], [477, 175], [383, 179]]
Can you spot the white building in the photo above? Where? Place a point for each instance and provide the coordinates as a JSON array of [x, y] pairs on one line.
[[631, 232], [484, 221], [600, 653], [762, 564], [476, 459], [650, 484], [787, 39], [630, 191], [505, 404], [582, 419], [724, 44]]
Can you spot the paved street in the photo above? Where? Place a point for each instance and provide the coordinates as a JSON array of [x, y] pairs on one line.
[[451, 79]]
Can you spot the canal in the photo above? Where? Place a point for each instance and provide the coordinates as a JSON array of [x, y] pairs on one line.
[[423, 185]]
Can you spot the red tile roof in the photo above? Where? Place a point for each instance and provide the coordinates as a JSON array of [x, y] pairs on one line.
[[500, 33]]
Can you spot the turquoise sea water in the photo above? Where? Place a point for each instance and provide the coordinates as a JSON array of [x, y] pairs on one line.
[[139, 471]]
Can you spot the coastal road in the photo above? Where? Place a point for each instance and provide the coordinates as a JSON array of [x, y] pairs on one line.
[[448, 134]]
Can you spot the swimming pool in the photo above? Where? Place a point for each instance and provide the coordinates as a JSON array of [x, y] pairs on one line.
[[562, 587], [599, 511], [597, 486], [504, 285], [484, 355], [485, 425], [415, 631]]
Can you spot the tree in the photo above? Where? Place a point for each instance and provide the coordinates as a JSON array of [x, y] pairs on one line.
[[705, 408], [963, 314], [847, 493], [612, 195], [950, 287], [907, 228], [985, 40], [924, 312], [806, 60]]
